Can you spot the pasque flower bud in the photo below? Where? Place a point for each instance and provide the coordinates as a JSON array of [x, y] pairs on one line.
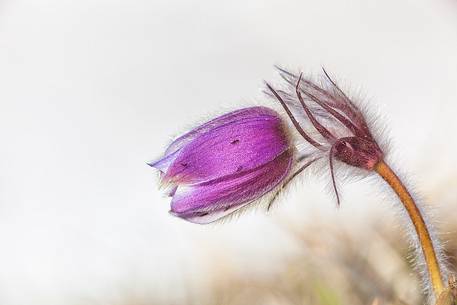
[[226, 163]]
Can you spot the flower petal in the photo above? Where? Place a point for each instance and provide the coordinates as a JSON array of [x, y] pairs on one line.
[[207, 202], [231, 117], [234, 147], [164, 163]]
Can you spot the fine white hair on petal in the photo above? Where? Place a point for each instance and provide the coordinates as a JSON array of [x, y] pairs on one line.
[[270, 199]]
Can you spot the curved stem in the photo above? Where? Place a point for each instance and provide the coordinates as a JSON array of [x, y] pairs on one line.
[[418, 222]]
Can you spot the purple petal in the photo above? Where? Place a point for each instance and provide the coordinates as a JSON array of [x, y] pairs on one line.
[[207, 202], [231, 117], [235, 146], [164, 163]]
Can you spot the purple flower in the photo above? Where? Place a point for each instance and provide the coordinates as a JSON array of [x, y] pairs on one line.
[[235, 159], [226, 163]]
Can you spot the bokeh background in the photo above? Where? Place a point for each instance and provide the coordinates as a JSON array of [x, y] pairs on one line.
[[92, 89]]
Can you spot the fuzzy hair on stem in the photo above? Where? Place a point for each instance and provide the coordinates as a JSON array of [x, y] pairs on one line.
[[432, 289]]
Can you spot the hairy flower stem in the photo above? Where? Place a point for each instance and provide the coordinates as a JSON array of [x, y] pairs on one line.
[[419, 224]]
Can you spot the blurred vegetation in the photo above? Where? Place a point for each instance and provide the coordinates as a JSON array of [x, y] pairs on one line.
[[333, 267]]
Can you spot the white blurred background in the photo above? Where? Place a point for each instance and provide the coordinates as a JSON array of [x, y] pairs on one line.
[[92, 89]]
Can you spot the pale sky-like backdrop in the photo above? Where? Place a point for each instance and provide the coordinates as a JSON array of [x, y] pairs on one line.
[[91, 90]]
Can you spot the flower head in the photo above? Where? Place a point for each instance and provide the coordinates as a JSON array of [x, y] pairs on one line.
[[340, 129], [226, 163], [235, 159]]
